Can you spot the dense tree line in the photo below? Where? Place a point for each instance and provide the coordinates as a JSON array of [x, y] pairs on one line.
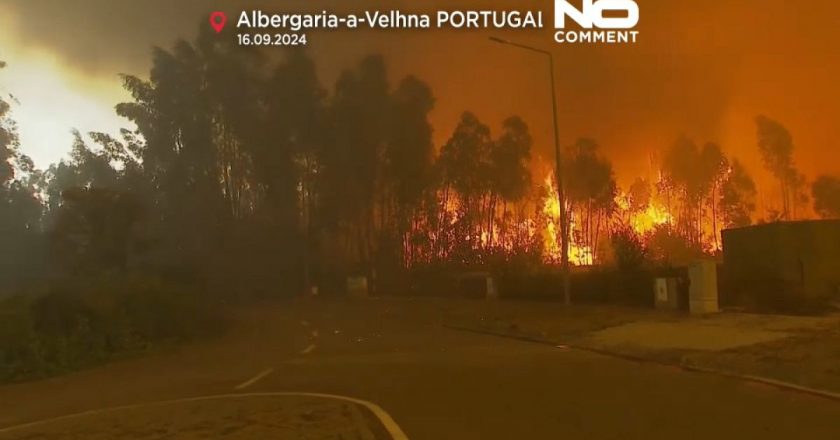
[[20, 208], [246, 172]]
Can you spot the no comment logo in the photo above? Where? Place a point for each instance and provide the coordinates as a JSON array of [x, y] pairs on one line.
[[600, 21]]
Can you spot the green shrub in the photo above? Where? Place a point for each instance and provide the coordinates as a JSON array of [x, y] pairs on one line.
[[87, 321]]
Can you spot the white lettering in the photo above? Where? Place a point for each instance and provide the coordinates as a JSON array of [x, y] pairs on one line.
[[592, 14]]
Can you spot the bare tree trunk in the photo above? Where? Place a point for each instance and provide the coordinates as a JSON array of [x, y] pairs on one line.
[[505, 223], [589, 232], [442, 223], [785, 199], [716, 214], [493, 202]]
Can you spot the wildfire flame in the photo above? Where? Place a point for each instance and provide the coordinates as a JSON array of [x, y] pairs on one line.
[[507, 233], [646, 220], [579, 255]]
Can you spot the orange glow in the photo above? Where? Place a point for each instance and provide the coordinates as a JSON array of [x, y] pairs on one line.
[[646, 220], [579, 255]]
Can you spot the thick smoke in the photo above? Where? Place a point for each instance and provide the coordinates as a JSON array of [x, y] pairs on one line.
[[705, 69]]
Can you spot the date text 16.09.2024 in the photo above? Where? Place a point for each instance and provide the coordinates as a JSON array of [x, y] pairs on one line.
[[271, 39]]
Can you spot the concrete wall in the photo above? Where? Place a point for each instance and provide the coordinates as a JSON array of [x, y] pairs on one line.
[[804, 256]]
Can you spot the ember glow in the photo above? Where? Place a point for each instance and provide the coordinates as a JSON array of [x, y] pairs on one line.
[[579, 254], [645, 221], [534, 226]]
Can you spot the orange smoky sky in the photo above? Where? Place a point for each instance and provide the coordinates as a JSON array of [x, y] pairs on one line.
[[705, 69]]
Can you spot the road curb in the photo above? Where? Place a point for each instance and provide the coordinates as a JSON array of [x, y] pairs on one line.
[[387, 423], [782, 385]]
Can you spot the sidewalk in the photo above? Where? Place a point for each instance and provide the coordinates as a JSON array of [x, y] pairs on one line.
[[725, 331], [809, 357], [804, 351]]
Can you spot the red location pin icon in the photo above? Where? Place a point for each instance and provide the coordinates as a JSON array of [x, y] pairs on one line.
[[218, 20]]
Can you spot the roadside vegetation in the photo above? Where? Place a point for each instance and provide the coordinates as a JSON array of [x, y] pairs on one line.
[[83, 322]]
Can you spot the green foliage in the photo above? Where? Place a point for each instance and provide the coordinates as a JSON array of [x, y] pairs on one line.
[[96, 229], [90, 320], [20, 206]]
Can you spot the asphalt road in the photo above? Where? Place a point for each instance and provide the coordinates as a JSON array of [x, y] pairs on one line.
[[436, 383]]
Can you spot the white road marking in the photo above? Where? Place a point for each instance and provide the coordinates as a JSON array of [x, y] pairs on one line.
[[309, 349], [387, 421], [255, 379]]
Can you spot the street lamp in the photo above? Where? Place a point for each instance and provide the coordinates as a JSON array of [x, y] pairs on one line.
[[558, 171]]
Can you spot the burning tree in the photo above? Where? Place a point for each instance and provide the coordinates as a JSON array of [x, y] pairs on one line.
[[591, 192], [479, 208], [737, 200], [511, 178], [692, 178]]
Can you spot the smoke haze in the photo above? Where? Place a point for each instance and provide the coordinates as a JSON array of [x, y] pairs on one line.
[[705, 69]]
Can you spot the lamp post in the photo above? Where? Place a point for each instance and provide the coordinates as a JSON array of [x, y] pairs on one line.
[[558, 170]]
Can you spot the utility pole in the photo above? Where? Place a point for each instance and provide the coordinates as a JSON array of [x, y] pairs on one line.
[[558, 171]]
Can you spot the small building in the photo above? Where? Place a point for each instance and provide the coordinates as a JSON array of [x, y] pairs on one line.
[[800, 258]]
